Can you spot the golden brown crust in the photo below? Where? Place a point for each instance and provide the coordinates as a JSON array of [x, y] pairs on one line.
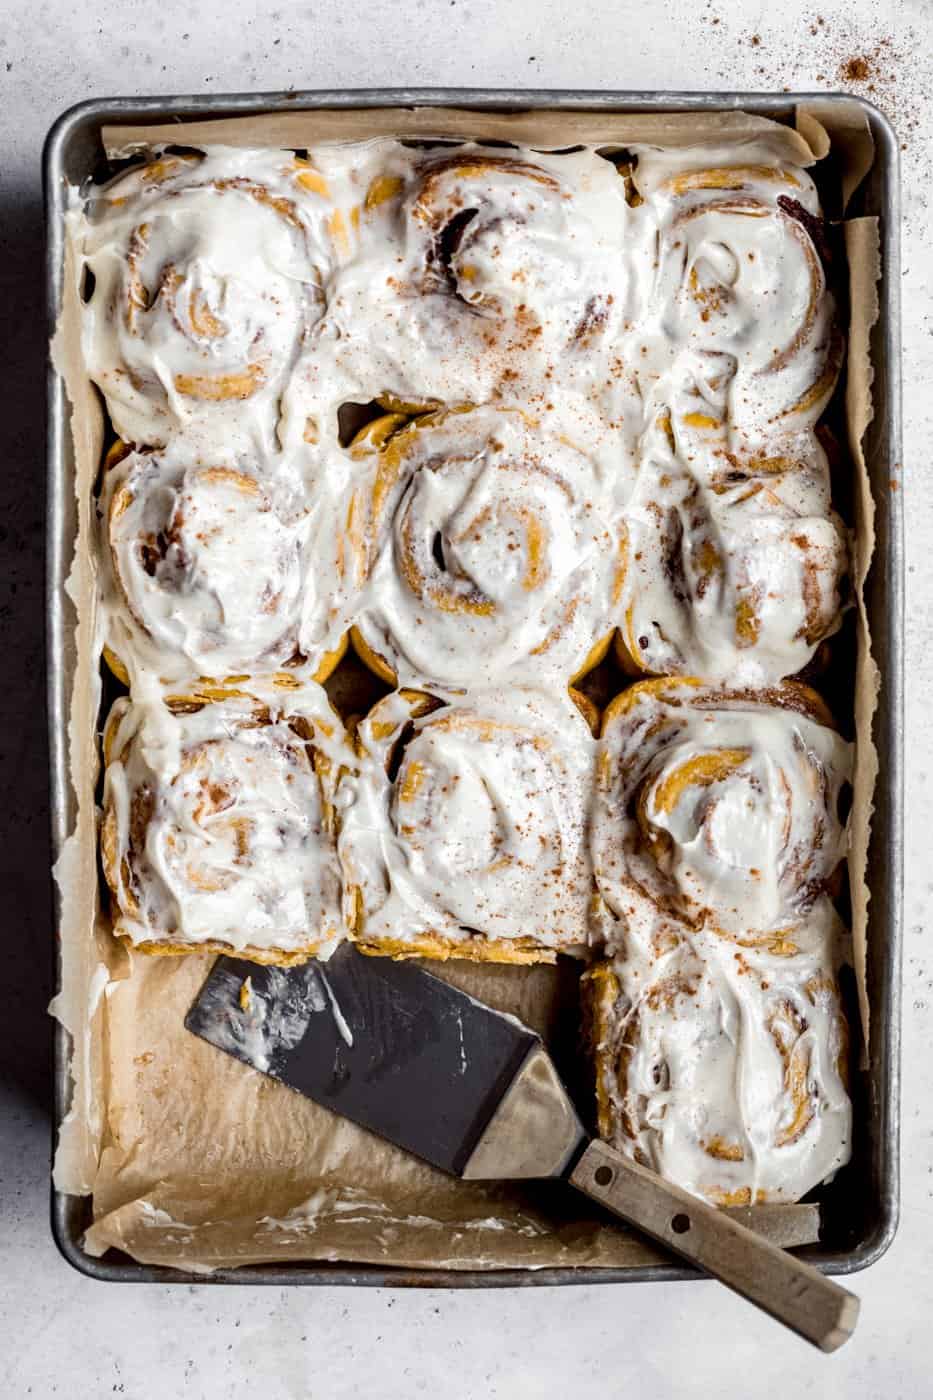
[[596, 654], [599, 991], [267, 957], [587, 708], [376, 663], [626, 657], [115, 665], [219, 687], [115, 453], [517, 951], [787, 695]]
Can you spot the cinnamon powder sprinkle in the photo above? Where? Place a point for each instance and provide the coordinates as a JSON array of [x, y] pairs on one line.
[[855, 70]]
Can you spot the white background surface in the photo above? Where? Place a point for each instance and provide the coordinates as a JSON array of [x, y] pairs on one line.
[[60, 1333]]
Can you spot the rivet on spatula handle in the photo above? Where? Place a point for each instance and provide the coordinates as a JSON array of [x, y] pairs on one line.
[[790, 1290]]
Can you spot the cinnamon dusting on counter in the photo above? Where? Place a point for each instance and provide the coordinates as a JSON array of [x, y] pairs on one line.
[[856, 70], [885, 61]]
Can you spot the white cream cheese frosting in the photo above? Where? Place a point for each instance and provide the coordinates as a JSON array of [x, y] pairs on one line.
[[207, 563], [238, 299], [736, 563], [487, 275], [736, 557], [210, 570], [738, 291], [716, 835], [492, 560], [624, 377], [718, 807], [726, 1073], [466, 822], [218, 826], [208, 272]]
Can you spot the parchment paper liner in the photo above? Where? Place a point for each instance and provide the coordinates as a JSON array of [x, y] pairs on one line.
[[195, 1161]]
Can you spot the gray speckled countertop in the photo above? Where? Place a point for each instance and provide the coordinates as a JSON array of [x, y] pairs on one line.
[[60, 1333]]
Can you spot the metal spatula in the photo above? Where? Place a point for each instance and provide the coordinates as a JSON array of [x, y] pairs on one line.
[[475, 1093]]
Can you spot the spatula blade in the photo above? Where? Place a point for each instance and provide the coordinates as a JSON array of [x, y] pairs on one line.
[[382, 1043]]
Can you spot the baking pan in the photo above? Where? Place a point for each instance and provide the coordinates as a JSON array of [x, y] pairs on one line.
[[860, 1209]]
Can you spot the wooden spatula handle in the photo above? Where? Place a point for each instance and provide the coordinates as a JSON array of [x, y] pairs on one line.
[[787, 1288]]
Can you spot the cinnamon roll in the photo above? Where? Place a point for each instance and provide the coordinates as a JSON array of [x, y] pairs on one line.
[[206, 274], [716, 837], [719, 807], [218, 831], [462, 831], [724, 1072], [491, 274], [491, 558], [737, 561], [740, 317], [215, 569]]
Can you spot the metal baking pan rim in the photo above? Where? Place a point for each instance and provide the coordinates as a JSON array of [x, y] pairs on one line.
[[889, 719]]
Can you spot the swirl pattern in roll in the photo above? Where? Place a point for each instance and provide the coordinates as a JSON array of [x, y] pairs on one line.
[[737, 563], [217, 569], [623, 371], [726, 1074], [208, 273], [490, 275], [462, 834], [719, 807], [218, 826], [716, 838], [740, 319], [492, 557]]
